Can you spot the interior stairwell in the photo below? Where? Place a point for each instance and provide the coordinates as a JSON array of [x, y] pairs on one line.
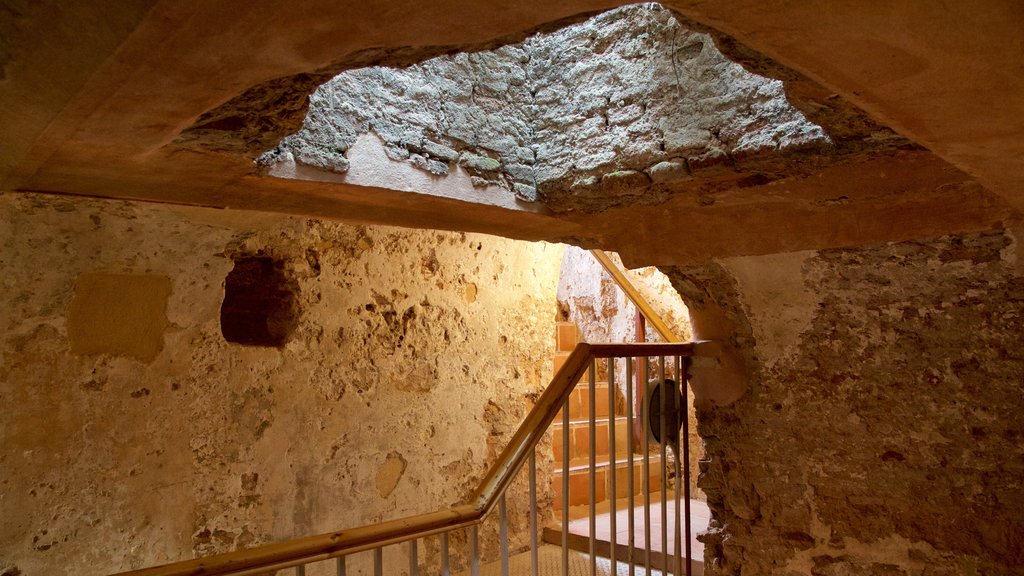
[[606, 414], [617, 514]]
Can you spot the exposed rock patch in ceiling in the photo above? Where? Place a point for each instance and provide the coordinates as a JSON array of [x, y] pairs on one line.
[[627, 107]]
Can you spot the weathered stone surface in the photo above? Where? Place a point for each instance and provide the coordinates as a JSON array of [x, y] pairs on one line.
[[435, 167], [668, 171], [602, 99], [427, 346], [440, 151], [477, 164], [624, 182], [524, 192], [880, 431]]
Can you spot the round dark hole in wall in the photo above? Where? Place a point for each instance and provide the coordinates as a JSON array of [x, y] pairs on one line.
[[259, 303]]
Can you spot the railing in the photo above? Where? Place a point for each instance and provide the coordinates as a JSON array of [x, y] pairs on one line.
[[631, 292], [646, 314], [671, 359]]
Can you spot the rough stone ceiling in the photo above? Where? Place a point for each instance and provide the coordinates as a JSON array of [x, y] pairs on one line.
[[626, 107], [124, 101]]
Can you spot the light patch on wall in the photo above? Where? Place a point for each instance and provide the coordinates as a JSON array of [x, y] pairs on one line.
[[389, 473], [1012, 252], [780, 306], [470, 295], [119, 314]]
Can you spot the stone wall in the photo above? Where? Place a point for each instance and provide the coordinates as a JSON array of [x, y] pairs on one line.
[[133, 434], [881, 433]]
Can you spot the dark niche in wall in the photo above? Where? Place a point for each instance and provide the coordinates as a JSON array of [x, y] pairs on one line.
[[259, 306]]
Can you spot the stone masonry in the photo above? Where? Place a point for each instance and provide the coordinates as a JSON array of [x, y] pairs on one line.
[[881, 432], [613, 110]]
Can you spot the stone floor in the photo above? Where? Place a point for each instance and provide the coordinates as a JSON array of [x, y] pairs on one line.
[[579, 532], [549, 563]]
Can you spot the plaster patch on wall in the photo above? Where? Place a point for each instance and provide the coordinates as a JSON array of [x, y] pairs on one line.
[[118, 314], [773, 286], [389, 473], [470, 293]]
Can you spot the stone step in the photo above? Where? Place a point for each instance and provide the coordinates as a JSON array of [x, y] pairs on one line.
[[579, 479], [579, 402], [579, 438], [566, 336], [633, 546]]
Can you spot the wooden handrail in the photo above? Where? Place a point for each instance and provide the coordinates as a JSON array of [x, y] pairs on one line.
[[634, 295], [280, 555]]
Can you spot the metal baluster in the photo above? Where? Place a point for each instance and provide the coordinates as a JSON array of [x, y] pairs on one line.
[[592, 393], [339, 566], [300, 570], [445, 569], [663, 426], [680, 377], [565, 488], [474, 552], [414, 562], [630, 448], [613, 468], [378, 562], [503, 534], [646, 446], [685, 411], [534, 551]]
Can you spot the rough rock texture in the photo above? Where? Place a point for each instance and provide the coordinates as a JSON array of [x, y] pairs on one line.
[[881, 432], [391, 397], [590, 298], [606, 112]]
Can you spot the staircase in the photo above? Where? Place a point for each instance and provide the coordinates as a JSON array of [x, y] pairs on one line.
[[567, 336]]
